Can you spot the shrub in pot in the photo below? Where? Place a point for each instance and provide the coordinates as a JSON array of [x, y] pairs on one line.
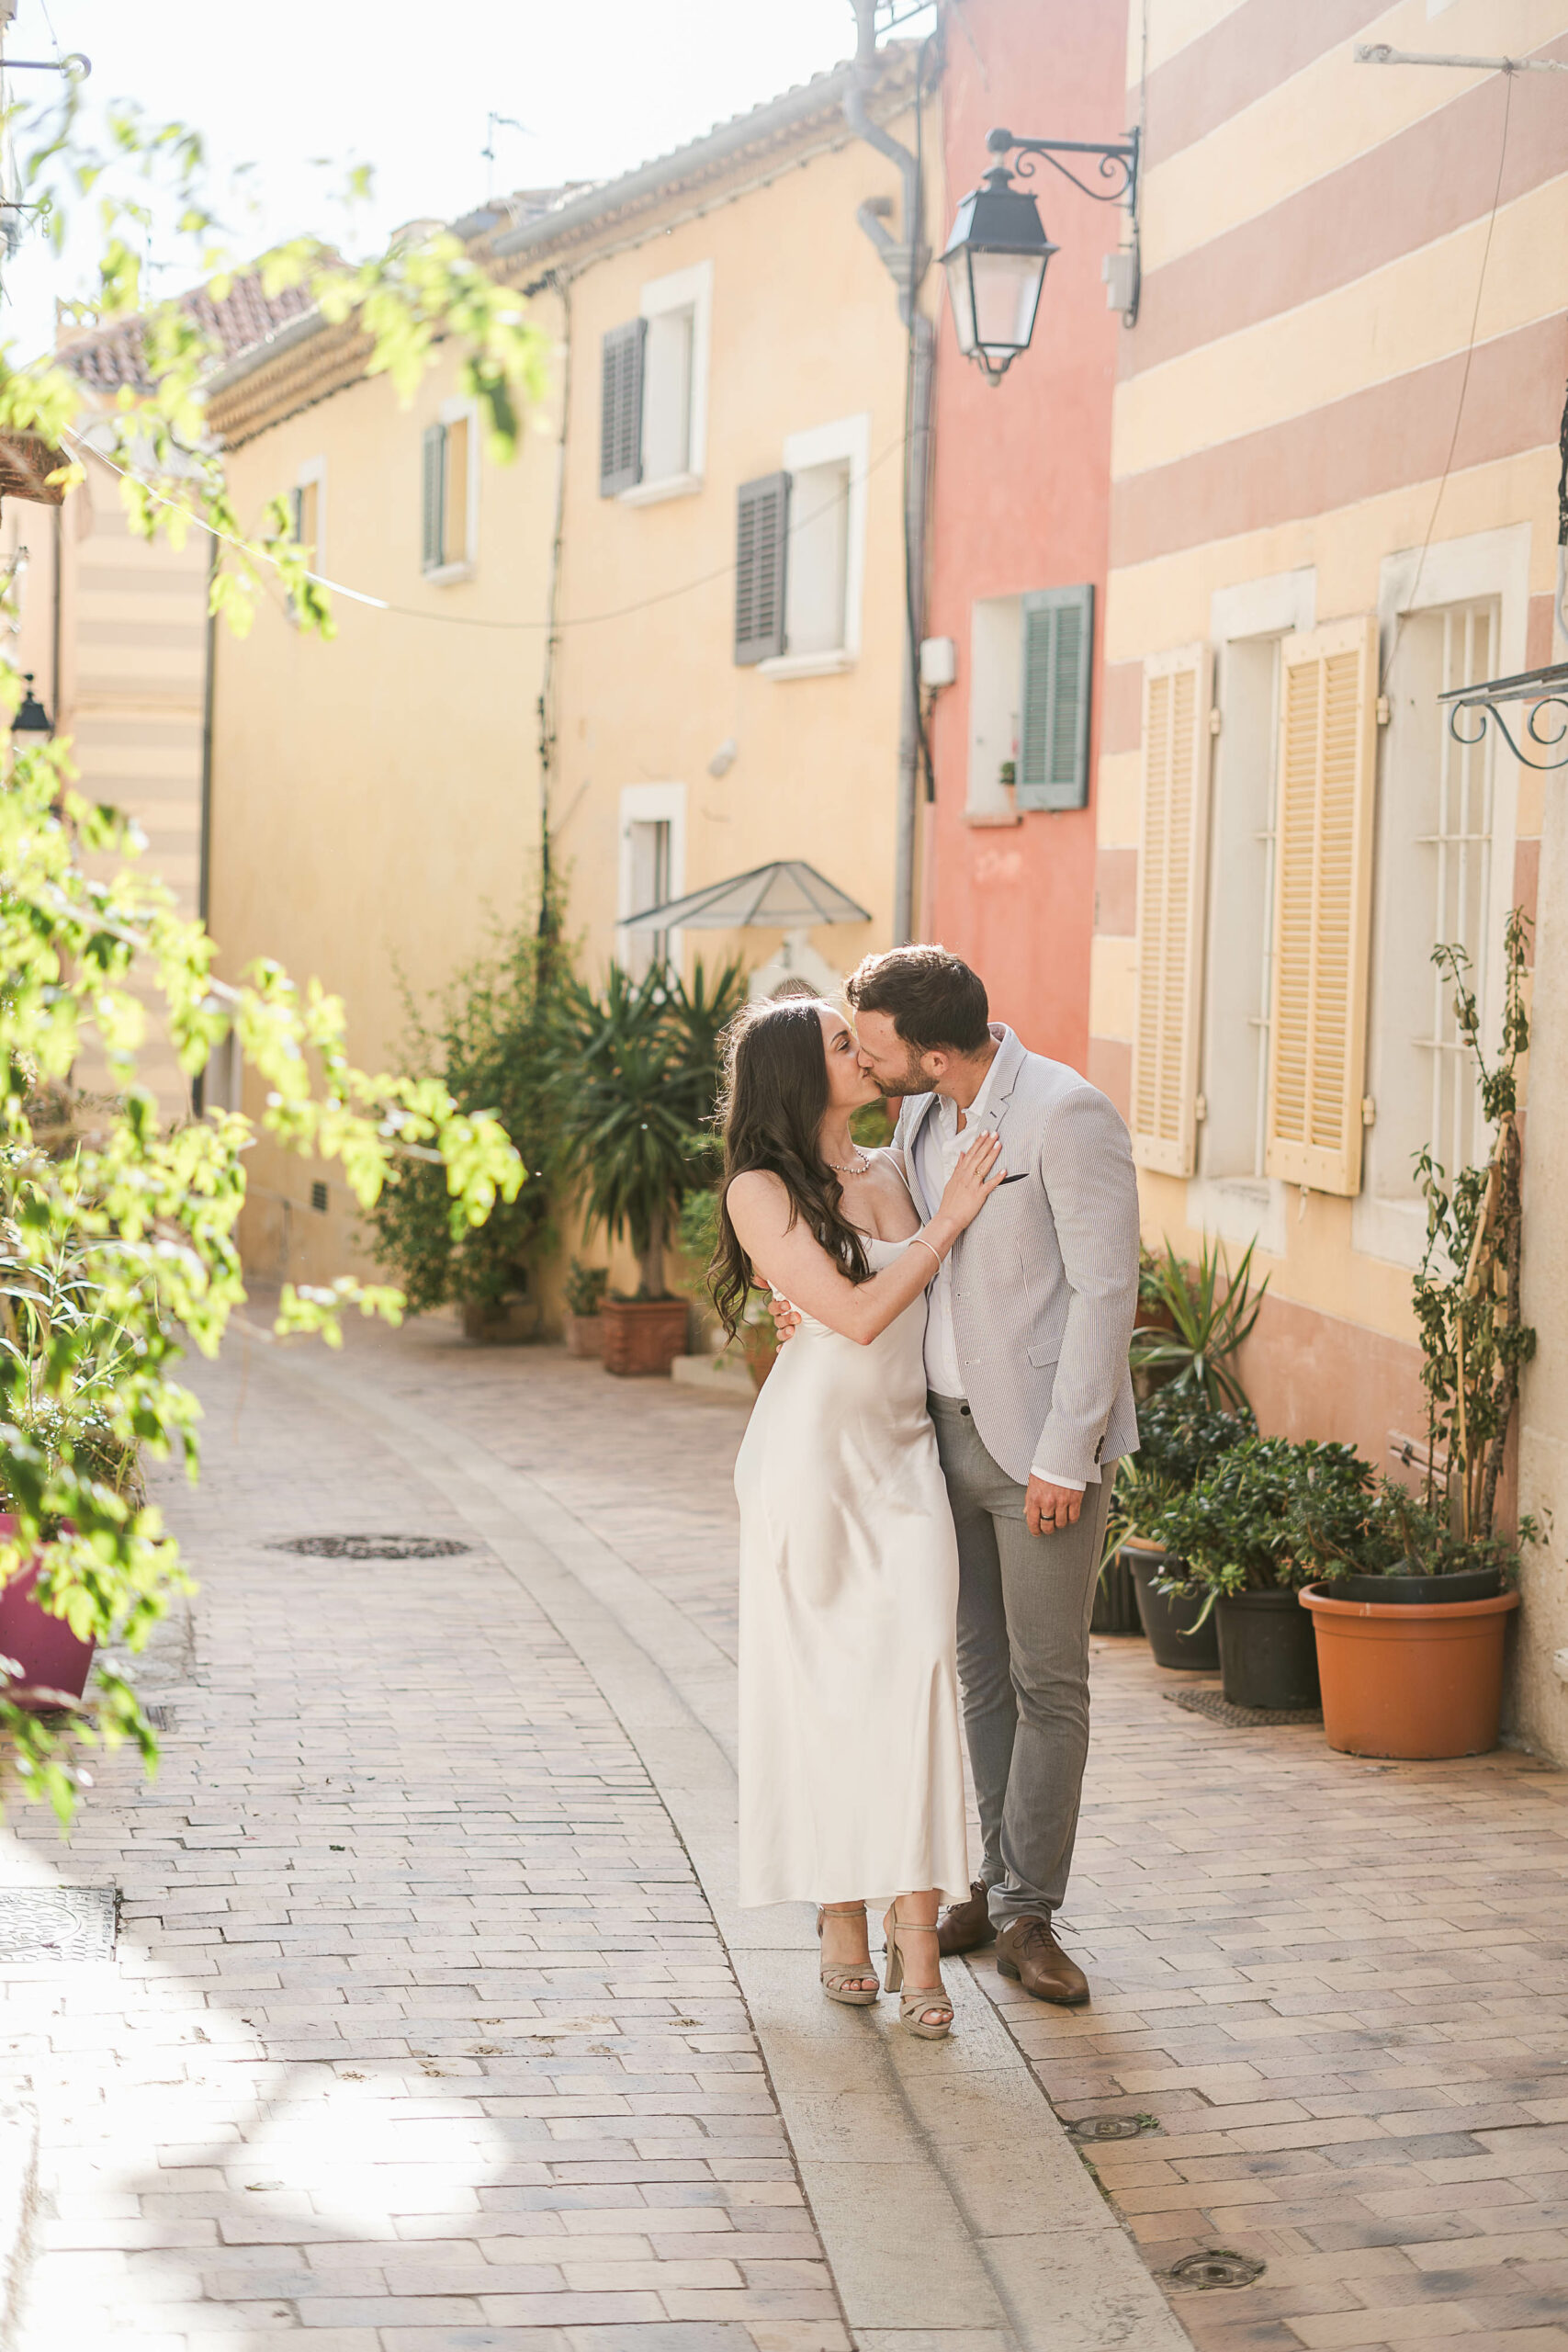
[[1238, 1534], [585, 1289], [635, 1074], [1181, 1437]]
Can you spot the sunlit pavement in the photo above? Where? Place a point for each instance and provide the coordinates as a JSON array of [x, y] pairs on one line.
[[433, 2023]]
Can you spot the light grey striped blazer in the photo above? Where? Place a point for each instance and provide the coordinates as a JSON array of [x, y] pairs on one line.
[[1045, 1280]]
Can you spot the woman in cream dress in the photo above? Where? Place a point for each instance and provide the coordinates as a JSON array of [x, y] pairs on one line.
[[851, 1778]]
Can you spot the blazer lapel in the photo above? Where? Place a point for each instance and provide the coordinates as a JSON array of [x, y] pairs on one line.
[[1009, 1061], [912, 1158]]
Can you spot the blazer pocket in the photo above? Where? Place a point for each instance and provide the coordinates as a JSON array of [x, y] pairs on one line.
[[1046, 1353]]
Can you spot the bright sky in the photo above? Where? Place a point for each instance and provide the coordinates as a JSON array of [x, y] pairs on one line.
[[600, 85]]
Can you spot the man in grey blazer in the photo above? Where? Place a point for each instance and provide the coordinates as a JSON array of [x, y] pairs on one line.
[[1026, 1366]]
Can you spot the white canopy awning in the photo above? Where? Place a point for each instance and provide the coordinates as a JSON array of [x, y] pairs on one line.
[[789, 895]]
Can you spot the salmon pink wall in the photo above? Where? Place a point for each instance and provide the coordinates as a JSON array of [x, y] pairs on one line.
[[1020, 501]]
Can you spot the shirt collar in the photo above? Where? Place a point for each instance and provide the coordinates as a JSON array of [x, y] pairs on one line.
[[947, 1109]]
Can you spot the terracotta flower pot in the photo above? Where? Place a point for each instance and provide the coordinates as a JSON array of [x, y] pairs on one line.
[[643, 1336], [585, 1335], [54, 1663], [1410, 1679]]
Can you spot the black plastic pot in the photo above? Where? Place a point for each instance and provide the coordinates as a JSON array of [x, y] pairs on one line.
[[1264, 1659], [1115, 1599], [1167, 1618], [1469, 1584]]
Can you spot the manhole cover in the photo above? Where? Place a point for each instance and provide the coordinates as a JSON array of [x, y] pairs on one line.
[[374, 1547], [41, 1925], [1219, 1710], [1216, 2266], [1112, 2127]]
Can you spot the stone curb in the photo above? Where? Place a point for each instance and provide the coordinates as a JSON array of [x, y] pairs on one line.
[[18, 2206]]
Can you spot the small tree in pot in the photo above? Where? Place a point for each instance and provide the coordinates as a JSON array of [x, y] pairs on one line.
[[635, 1072], [1412, 1613]]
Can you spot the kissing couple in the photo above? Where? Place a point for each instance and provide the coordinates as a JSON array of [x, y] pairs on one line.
[[921, 1503]]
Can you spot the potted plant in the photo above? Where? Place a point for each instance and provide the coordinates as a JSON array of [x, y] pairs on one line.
[[635, 1073], [1238, 1538], [1192, 1323], [585, 1289], [1411, 1616], [483, 1036], [1181, 1437], [1409, 1620]]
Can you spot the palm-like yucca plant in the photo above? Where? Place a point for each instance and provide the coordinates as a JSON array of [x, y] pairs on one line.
[[1209, 1312], [637, 1073]]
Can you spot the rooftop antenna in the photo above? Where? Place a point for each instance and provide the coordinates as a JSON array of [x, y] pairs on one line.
[[494, 122]]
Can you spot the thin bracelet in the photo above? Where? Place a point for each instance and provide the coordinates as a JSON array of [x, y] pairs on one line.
[[936, 1253]]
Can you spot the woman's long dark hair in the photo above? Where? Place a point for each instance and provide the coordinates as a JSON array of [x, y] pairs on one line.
[[775, 1097]]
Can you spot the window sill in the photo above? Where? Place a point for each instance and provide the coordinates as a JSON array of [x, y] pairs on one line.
[[807, 665], [445, 575], [651, 494], [982, 817]]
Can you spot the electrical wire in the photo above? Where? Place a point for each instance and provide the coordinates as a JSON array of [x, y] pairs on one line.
[[471, 620], [1409, 600]]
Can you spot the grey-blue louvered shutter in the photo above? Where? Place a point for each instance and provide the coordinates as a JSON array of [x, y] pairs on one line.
[[620, 408], [433, 532], [1058, 648], [762, 542]]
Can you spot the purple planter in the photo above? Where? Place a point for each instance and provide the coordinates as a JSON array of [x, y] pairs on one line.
[[54, 1661]]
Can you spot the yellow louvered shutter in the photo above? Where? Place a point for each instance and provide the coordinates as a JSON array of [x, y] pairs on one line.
[[1323, 861], [1172, 864]]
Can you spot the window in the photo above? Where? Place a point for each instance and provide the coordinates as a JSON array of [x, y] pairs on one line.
[[1439, 835], [1029, 703], [652, 870], [653, 410], [450, 492], [308, 512], [1249, 622], [800, 555]]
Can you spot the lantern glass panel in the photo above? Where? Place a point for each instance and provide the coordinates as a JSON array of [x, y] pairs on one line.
[[1005, 293], [960, 297]]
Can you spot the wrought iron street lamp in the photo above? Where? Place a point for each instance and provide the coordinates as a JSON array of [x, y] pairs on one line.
[[996, 257], [32, 728]]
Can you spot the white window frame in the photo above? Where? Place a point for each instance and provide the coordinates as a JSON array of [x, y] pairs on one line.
[[682, 290], [650, 803], [1241, 1208], [460, 411], [846, 439], [1470, 571]]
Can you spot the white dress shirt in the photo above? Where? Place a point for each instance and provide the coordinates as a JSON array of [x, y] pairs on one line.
[[937, 1147]]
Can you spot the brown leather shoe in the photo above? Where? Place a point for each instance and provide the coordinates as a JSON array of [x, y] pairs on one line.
[[1028, 1951], [965, 1926]]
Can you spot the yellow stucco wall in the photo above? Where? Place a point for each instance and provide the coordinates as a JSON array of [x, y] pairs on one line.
[[377, 798]]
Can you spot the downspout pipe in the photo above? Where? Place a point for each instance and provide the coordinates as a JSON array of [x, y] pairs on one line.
[[906, 260]]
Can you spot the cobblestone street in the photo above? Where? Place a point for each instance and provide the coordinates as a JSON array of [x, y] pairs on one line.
[[433, 2028]]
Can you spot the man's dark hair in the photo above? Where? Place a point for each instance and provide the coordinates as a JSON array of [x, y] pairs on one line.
[[936, 1002]]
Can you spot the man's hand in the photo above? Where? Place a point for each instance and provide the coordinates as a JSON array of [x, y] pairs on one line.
[[786, 1318], [1047, 1508]]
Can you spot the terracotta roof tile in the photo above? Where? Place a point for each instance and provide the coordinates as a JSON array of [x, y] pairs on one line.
[[113, 357]]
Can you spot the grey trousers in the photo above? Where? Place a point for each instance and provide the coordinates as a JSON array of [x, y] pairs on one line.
[[1024, 1603]]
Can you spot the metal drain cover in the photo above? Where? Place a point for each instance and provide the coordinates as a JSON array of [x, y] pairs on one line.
[[1216, 2266], [374, 1547], [41, 1925], [1112, 2127]]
